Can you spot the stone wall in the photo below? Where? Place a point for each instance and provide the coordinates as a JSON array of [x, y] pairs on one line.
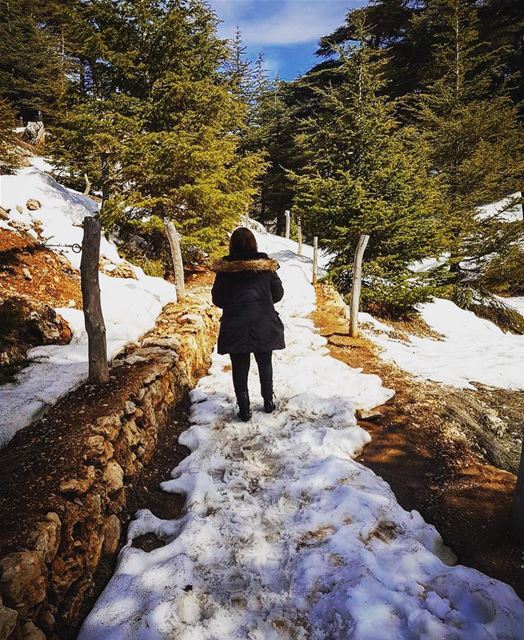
[[66, 479]]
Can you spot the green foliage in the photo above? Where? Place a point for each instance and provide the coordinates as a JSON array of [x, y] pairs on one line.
[[504, 273], [487, 306], [366, 175], [168, 120], [475, 140], [32, 76], [9, 159]]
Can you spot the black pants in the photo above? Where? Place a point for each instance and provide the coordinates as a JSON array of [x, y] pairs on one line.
[[240, 364]]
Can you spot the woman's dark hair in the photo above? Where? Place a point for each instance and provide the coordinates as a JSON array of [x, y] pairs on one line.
[[242, 242]]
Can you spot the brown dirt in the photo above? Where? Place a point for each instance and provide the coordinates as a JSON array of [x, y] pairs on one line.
[[53, 280], [430, 462]]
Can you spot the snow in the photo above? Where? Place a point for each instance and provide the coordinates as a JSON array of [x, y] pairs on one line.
[[471, 350], [517, 303], [130, 306], [285, 536], [506, 209], [284, 246]]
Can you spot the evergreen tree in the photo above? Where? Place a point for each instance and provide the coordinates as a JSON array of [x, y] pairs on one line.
[[365, 175], [169, 120], [9, 159], [239, 70], [31, 75], [475, 139]]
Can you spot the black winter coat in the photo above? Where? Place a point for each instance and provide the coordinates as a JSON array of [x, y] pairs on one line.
[[246, 288]]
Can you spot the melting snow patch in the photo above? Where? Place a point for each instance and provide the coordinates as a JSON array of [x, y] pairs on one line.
[[472, 349]]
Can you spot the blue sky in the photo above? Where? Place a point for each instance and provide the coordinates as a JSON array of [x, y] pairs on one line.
[[285, 31]]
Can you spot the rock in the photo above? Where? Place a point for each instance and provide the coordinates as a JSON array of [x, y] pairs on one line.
[[31, 632], [8, 619], [21, 579], [46, 537], [108, 426], [112, 531], [33, 205], [19, 226], [130, 407], [131, 433], [124, 270], [364, 414], [113, 476], [46, 326], [19, 209], [117, 502], [78, 486], [98, 450], [26, 273], [4, 214], [35, 133]]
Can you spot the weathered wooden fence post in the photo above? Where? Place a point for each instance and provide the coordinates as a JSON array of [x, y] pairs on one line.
[[94, 320], [356, 285], [299, 237], [288, 223], [518, 501], [176, 255], [315, 260], [88, 185]]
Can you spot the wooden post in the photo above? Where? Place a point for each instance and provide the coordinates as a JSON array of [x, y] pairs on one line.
[[299, 237], [178, 264], [518, 501], [94, 320], [356, 285], [315, 260], [288, 223], [88, 185]]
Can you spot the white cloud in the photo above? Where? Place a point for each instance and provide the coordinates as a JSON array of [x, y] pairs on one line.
[[281, 22]]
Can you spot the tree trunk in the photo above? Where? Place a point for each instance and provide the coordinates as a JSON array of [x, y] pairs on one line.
[[518, 501], [357, 283], [94, 320], [176, 255], [104, 159], [288, 223], [315, 260]]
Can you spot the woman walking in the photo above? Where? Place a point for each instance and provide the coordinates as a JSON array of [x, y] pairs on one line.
[[246, 287]]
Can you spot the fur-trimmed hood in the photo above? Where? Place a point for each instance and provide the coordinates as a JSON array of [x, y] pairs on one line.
[[234, 266]]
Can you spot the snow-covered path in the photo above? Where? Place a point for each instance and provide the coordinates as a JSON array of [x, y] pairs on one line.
[[286, 536]]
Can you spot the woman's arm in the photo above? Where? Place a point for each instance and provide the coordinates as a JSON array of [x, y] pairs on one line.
[[217, 292], [277, 290]]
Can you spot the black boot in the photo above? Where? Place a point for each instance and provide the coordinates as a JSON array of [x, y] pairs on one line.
[[269, 405], [244, 412]]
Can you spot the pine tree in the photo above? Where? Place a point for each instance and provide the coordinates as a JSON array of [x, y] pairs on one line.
[[9, 159], [365, 175], [474, 137], [31, 76], [168, 118]]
